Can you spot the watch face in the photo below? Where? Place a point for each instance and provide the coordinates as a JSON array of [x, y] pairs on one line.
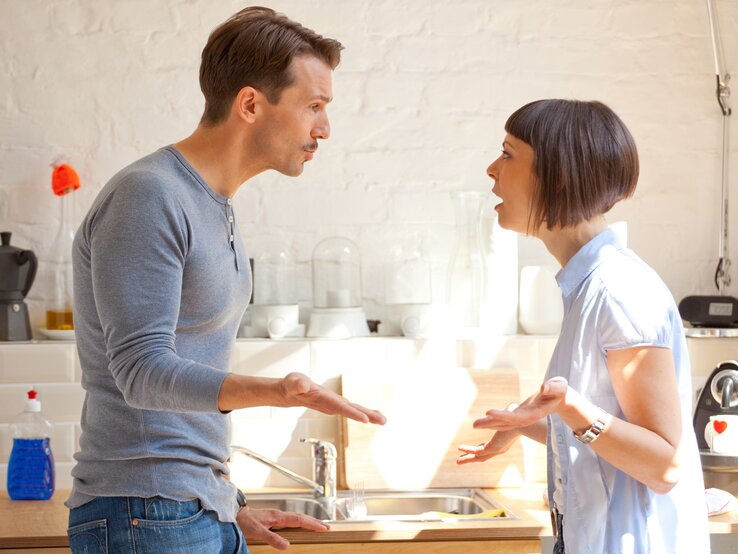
[[594, 430], [586, 437]]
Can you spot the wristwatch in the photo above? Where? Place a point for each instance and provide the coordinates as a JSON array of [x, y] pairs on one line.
[[590, 435], [240, 498]]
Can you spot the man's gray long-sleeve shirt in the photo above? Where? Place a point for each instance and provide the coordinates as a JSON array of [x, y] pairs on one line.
[[161, 280]]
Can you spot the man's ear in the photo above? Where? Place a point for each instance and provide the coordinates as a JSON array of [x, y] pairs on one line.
[[245, 104]]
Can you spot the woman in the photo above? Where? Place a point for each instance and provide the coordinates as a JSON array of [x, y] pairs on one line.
[[624, 473]]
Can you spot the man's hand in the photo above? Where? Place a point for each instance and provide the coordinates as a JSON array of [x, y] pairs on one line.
[[256, 525], [535, 408], [298, 390]]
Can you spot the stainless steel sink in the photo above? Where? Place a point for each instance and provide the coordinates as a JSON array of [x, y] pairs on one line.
[[424, 505], [289, 503]]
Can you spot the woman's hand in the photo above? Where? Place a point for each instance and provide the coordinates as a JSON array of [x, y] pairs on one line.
[[298, 390], [257, 525], [535, 408], [498, 444]]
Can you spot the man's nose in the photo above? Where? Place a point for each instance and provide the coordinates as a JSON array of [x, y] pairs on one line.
[[322, 130]]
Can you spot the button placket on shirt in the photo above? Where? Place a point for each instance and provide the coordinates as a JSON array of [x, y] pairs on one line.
[[232, 229]]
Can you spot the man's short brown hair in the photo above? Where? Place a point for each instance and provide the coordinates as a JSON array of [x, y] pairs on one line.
[[585, 159], [255, 47]]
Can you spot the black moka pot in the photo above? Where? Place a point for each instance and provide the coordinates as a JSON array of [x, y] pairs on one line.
[[17, 272]]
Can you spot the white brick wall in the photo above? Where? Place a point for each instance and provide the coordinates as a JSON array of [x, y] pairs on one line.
[[420, 99]]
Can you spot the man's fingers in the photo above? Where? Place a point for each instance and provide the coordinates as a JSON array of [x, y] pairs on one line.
[[329, 402], [292, 520], [273, 539], [375, 416]]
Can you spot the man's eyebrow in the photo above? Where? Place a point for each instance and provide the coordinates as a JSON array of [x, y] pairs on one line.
[[322, 97]]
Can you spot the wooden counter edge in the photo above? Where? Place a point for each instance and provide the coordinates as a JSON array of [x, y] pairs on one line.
[[37, 524]]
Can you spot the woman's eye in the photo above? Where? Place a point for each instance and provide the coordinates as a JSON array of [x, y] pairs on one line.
[[505, 155]]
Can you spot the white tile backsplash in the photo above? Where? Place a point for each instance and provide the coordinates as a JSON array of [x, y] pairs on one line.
[[275, 432], [45, 362], [270, 358], [62, 402]]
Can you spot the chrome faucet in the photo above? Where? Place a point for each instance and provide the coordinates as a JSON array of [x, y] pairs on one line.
[[323, 483]]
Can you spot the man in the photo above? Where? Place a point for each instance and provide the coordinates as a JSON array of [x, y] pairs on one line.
[[161, 282]]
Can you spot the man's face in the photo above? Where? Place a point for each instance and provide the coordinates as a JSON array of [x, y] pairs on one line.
[[291, 128]]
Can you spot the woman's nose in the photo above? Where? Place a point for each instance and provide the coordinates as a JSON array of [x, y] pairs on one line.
[[492, 170]]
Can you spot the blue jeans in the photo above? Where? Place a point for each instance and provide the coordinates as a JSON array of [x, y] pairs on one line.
[[112, 525]]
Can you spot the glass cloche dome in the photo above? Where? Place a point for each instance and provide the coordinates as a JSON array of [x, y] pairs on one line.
[[336, 274]]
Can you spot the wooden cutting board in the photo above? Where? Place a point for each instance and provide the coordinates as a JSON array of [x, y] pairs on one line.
[[429, 413]]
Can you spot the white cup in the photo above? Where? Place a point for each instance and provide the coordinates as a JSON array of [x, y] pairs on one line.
[[721, 434], [541, 308], [411, 320], [274, 321]]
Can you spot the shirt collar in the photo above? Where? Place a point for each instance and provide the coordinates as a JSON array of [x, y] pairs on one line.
[[586, 260]]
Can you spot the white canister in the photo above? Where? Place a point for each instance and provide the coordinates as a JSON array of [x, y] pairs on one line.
[[541, 308]]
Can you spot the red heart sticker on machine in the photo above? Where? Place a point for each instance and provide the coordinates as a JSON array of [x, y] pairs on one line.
[[719, 426]]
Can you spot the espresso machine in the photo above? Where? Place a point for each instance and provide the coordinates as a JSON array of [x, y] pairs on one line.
[[17, 272], [719, 396]]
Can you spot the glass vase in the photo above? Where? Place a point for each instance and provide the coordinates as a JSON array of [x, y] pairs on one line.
[[466, 277]]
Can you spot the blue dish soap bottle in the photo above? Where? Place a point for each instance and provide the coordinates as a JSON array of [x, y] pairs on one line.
[[31, 465]]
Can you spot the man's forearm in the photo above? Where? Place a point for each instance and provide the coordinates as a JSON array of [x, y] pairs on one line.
[[242, 391]]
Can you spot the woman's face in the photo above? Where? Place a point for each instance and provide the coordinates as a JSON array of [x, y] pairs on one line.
[[514, 184]]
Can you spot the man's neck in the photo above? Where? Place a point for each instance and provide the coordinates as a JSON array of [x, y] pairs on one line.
[[220, 156]]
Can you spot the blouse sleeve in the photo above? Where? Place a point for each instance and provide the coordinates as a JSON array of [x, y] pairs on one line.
[[634, 318]]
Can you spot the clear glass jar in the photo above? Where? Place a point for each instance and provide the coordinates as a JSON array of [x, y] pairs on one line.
[[407, 274], [336, 274], [275, 277], [466, 278], [60, 299]]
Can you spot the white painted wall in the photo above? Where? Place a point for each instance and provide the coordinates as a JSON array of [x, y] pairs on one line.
[[420, 99]]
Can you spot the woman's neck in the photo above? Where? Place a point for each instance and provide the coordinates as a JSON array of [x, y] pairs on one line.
[[564, 243]]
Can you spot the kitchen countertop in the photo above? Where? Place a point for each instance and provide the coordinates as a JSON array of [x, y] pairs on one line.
[[36, 524]]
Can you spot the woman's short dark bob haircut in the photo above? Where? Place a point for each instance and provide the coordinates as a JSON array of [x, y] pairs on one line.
[[585, 159]]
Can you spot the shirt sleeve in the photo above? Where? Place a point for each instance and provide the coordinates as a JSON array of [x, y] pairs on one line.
[[632, 319], [139, 243]]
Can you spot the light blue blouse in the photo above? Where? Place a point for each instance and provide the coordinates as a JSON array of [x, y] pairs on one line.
[[613, 300]]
